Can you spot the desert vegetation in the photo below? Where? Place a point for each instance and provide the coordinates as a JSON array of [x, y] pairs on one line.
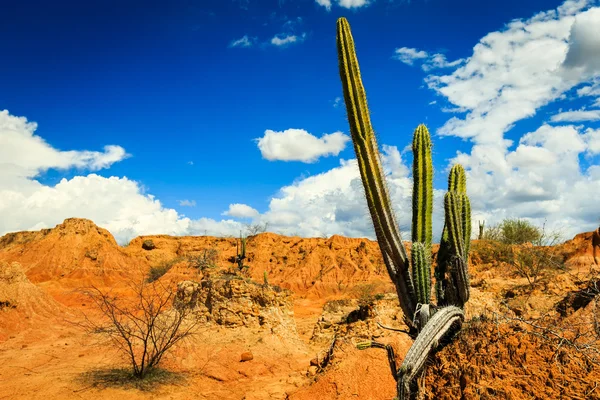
[[429, 323], [528, 250], [143, 325]]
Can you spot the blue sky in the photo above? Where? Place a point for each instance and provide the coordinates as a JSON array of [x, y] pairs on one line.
[[221, 113]]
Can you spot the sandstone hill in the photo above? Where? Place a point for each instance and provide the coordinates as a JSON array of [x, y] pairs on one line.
[[72, 251]]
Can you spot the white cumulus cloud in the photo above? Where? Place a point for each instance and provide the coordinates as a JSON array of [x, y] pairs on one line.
[[281, 40], [324, 3], [117, 204], [409, 55], [576, 116], [584, 43], [299, 145], [510, 76], [353, 3], [238, 210], [344, 3]]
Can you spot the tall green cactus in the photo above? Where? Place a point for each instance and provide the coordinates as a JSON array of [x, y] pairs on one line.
[[371, 171], [428, 323], [422, 199]]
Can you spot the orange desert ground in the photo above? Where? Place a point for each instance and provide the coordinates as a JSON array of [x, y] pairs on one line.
[[519, 341]]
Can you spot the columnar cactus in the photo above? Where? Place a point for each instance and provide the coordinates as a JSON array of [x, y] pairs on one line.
[[428, 323], [240, 253]]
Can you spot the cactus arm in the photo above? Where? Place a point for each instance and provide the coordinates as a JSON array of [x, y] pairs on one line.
[[450, 272], [422, 203], [436, 329], [422, 198], [371, 171], [452, 208], [421, 270], [441, 268], [457, 179], [390, 353], [455, 278]]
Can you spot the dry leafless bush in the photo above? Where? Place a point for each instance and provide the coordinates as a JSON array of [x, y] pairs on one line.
[[208, 259], [142, 325]]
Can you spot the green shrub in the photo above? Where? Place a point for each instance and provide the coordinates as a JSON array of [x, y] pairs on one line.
[[532, 261], [518, 231], [365, 293], [490, 251]]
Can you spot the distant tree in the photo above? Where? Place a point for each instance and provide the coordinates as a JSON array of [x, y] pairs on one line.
[[255, 229], [519, 231]]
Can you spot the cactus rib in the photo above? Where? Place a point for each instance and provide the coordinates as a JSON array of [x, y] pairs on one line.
[[371, 171]]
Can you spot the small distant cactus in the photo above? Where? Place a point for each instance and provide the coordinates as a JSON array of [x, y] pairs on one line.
[[481, 230], [265, 278], [428, 323], [241, 252]]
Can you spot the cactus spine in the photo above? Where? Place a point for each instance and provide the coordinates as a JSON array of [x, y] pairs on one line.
[[428, 323]]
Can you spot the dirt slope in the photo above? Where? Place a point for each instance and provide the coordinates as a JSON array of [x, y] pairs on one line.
[[495, 357]]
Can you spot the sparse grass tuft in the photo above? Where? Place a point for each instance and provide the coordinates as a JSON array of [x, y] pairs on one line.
[[123, 378]]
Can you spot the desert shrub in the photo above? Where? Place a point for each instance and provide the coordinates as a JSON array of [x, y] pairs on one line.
[[365, 293], [255, 229], [208, 259], [493, 233], [156, 272], [532, 262], [525, 247], [143, 326], [490, 252], [517, 231], [335, 305]]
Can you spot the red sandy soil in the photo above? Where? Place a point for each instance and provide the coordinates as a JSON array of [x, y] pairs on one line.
[[45, 355]]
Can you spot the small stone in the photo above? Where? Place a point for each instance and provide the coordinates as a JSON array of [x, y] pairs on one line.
[[312, 371], [247, 356]]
